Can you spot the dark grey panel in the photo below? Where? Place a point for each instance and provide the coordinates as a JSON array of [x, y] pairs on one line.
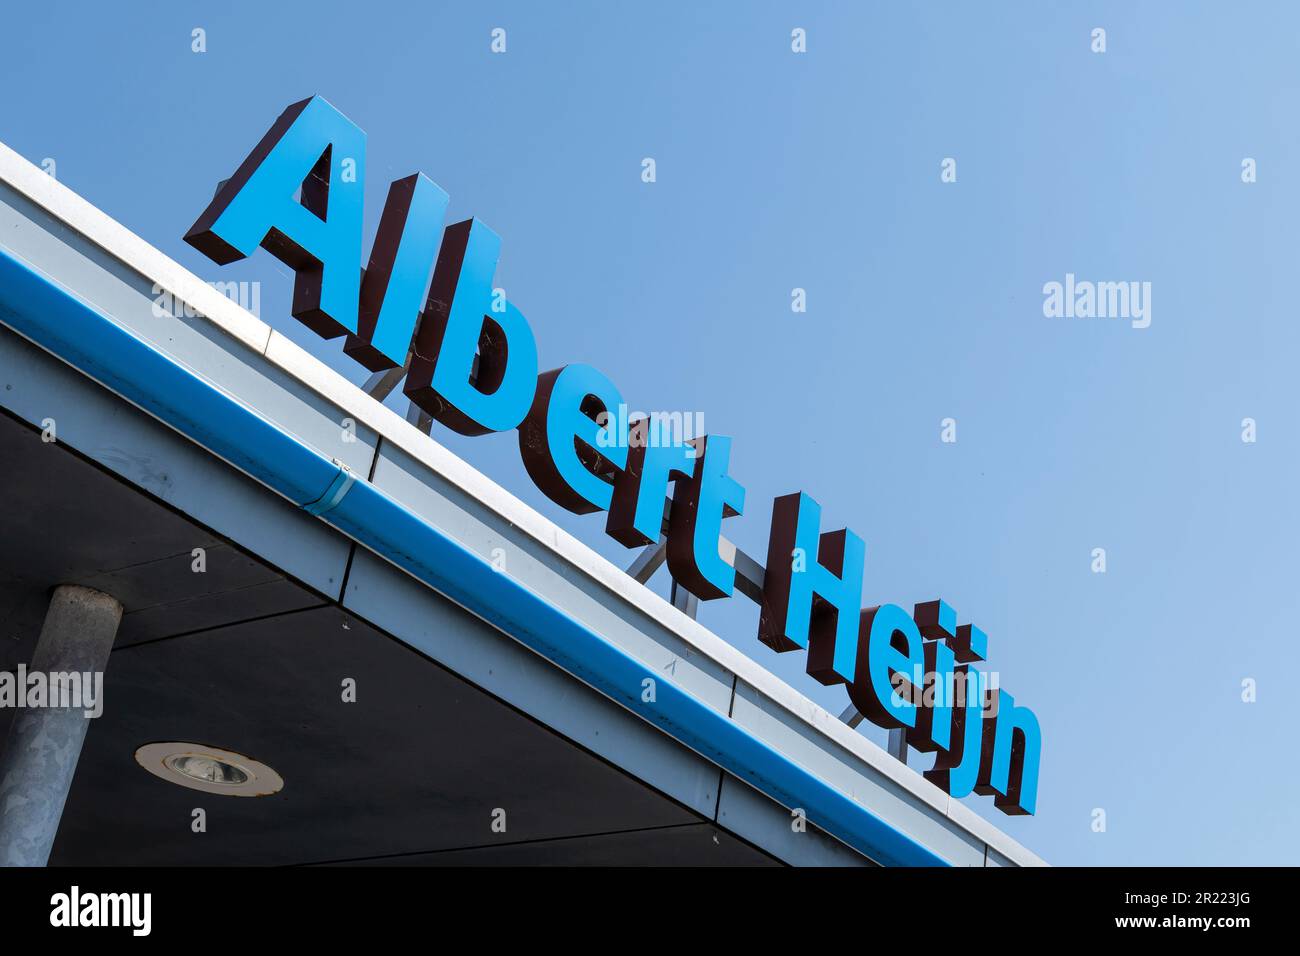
[[418, 763], [234, 587], [696, 844], [67, 521]]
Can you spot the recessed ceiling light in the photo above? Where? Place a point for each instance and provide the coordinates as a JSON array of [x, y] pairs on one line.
[[209, 769]]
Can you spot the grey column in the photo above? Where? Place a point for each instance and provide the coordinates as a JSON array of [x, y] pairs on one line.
[[40, 759]]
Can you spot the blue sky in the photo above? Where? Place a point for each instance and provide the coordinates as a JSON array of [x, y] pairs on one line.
[[822, 171]]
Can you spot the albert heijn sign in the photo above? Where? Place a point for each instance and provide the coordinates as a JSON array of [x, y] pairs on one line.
[[473, 366]]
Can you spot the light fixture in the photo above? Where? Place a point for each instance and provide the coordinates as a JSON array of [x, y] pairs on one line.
[[209, 769]]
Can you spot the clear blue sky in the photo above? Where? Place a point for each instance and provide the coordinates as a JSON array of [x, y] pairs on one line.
[[821, 171]]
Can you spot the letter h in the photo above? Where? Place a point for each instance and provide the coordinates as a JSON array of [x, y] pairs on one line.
[[812, 602]]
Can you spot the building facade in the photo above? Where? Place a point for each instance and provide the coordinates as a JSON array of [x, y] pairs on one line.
[[309, 584]]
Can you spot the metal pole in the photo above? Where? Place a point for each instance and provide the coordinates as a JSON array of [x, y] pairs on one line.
[[44, 743], [898, 745], [684, 600]]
